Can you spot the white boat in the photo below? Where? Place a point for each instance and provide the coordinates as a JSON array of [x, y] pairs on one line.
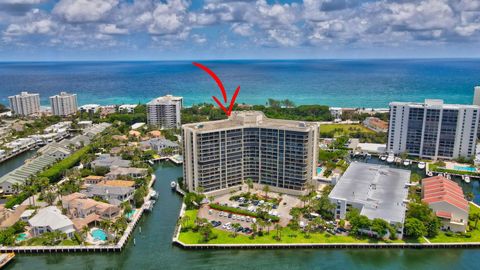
[[173, 184], [430, 173], [390, 158], [467, 179], [421, 165], [383, 158], [407, 162], [448, 177]]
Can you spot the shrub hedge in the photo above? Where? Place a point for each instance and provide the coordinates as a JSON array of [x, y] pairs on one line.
[[55, 172]]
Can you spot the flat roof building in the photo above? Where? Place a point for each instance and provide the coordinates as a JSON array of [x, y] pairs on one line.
[[378, 191], [25, 103], [165, 112], [64, 104], [219, 155], [433, 129]]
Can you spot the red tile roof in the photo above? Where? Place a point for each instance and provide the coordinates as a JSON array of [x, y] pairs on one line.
[[444, 214], [440, 189]]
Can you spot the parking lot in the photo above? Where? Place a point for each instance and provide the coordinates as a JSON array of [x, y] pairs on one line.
[[282, 210], [225, 218]]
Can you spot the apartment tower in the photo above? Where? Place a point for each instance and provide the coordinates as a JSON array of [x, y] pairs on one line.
[[25, 103], [165, 112], [64, 104], [433, 129], [219, 155]]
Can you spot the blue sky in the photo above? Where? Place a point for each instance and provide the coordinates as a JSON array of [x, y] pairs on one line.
[[229, 29]]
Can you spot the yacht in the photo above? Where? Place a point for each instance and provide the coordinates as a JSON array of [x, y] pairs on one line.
[[430, 173], [421, 165], [383, 158], [173, 184], [390, 158], [467, 179], [407, 162]]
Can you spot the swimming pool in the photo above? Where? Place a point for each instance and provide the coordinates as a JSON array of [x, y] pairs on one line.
[[99, 234], [130, 214], [465, 168], [319, 170], [21, 237]]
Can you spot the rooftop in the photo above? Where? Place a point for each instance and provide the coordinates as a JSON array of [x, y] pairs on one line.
[[380, 189], [434, 104], [105, 160], [440, 189], [252, 119], [50, 216], [165, 100]]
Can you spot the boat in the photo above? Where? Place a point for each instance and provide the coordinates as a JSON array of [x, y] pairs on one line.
[[6, 258], [421, 165], [368, 156], [448, 176], [407, 162], [467, 179], [390, 158], [430, 173], [153, 194], [173, 184], [383, 158]]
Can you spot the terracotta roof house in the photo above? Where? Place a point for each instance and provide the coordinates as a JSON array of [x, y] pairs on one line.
[[117, 183], [155, 133], [79, 207], [376, 124], [92, 179], [446, 199]]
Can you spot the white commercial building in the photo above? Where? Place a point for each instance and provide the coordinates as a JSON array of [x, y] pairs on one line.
[[64, 104], [165, 112], [433, 129], [25, 103], [377, 191]]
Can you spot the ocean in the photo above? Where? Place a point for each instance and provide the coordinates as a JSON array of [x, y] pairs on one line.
[[342, 83]]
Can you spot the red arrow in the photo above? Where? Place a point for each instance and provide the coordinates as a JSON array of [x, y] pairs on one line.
[[222, 89]]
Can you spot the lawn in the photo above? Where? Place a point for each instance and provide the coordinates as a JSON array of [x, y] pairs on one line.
[[288, 236], [474, 232], [341, 129]]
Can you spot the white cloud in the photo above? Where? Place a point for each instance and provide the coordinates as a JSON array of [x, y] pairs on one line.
[[111, 29], [78, 11]]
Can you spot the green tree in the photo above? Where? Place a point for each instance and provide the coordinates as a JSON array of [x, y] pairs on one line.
[[415, 228], [249, 184], [380, 227], [266, 189]]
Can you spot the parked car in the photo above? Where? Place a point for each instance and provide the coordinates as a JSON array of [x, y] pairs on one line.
[[230, 215]]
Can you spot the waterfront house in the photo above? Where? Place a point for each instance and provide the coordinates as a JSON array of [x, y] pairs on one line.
[[78, 205], [160, 145], [119, 172], [377, 191], [50, 219], [108, 161], [114, 195], [117, 183], [446, 199]]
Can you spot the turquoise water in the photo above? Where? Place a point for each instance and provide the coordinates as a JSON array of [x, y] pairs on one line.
[[21, 237], [99, 234], [130, 214], [319, 170], [465, 168], [372, 83]]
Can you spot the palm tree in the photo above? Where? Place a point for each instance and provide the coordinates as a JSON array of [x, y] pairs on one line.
[[184, 221], [249, 184], [266, 189], [279, 231], [254, 229], [16, 187], [476, 218], [235, 226]]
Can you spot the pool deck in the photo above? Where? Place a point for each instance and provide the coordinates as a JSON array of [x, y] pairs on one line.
[[69, 249]]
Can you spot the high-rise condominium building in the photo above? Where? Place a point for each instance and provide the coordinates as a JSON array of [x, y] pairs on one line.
[[433, 129], [219, 155], [64, 104], [25, 103], [165, 112]]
